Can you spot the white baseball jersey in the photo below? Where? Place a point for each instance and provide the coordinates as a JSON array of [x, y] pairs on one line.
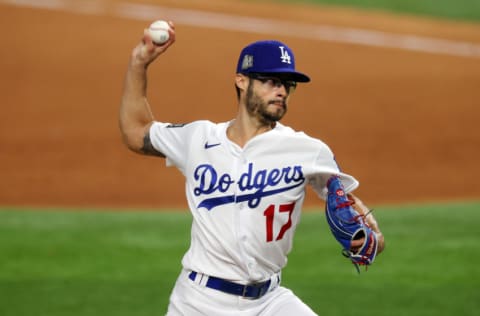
[[246, 202]]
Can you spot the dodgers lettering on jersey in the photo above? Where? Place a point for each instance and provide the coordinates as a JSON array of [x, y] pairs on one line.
[[262, 182]]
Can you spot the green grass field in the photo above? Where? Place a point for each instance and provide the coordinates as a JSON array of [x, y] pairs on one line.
[[79, 262], [450, 9]]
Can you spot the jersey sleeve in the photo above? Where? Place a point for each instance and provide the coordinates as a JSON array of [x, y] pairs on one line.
[[324, 167], [173, 140]]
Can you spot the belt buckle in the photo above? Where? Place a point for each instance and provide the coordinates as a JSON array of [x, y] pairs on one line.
[[262, 289], [244, 290]]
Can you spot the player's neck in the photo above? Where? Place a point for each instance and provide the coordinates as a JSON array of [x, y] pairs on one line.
[[243, 128]]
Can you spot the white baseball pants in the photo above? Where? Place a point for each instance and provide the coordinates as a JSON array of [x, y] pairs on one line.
[[191, 299]]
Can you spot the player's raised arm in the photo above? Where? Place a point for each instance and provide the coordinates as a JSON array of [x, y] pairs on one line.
[[136, 116]]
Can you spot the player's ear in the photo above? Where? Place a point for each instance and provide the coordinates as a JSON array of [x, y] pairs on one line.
[[241, 82]]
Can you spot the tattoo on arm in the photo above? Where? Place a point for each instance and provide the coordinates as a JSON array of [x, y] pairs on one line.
[[148, 148]]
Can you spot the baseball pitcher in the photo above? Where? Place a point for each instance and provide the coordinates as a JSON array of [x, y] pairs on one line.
[[245, 186]]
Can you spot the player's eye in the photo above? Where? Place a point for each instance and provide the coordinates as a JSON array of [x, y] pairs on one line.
[[274, 82], [278, 83]]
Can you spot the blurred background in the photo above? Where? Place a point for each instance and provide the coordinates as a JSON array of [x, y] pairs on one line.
[[394, 93]]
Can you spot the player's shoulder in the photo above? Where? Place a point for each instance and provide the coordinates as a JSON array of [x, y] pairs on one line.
[[191, 130], [207, 127], [194, 125], [299, 136]]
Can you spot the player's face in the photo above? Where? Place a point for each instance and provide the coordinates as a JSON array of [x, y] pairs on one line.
[[267, 97]]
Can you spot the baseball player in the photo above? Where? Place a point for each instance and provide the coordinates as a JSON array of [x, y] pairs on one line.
[[245, 183]]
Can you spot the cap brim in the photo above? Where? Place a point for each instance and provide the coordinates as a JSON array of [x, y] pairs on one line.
[[289, 75], [299, 77]]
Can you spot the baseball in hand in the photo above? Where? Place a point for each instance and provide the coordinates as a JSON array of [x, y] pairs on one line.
[[159, 32]]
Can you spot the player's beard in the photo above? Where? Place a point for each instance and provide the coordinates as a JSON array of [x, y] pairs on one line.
[[259, 108]]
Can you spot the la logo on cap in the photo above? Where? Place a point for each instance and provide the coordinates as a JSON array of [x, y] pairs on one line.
[[285, 56]]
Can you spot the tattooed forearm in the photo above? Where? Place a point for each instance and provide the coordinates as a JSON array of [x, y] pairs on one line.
[[148, 149]]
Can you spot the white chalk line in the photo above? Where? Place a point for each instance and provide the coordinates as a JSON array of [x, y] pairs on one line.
[[237, 23]]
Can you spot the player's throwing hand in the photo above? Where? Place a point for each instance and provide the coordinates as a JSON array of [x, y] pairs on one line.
[[147, 51]]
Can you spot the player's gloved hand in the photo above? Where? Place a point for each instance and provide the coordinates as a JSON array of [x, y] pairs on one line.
[[348, 226]]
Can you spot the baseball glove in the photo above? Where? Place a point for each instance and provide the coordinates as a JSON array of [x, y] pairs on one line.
[[348, 226]]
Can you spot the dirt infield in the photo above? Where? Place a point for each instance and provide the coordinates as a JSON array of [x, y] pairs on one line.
[[404, 123]]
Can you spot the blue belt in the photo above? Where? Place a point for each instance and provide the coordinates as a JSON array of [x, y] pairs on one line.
[[252, 291]]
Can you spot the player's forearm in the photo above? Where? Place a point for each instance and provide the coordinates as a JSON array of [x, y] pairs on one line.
[[135, 113]]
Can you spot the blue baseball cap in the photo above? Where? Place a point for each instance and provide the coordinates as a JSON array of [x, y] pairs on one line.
[[269, 57]]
